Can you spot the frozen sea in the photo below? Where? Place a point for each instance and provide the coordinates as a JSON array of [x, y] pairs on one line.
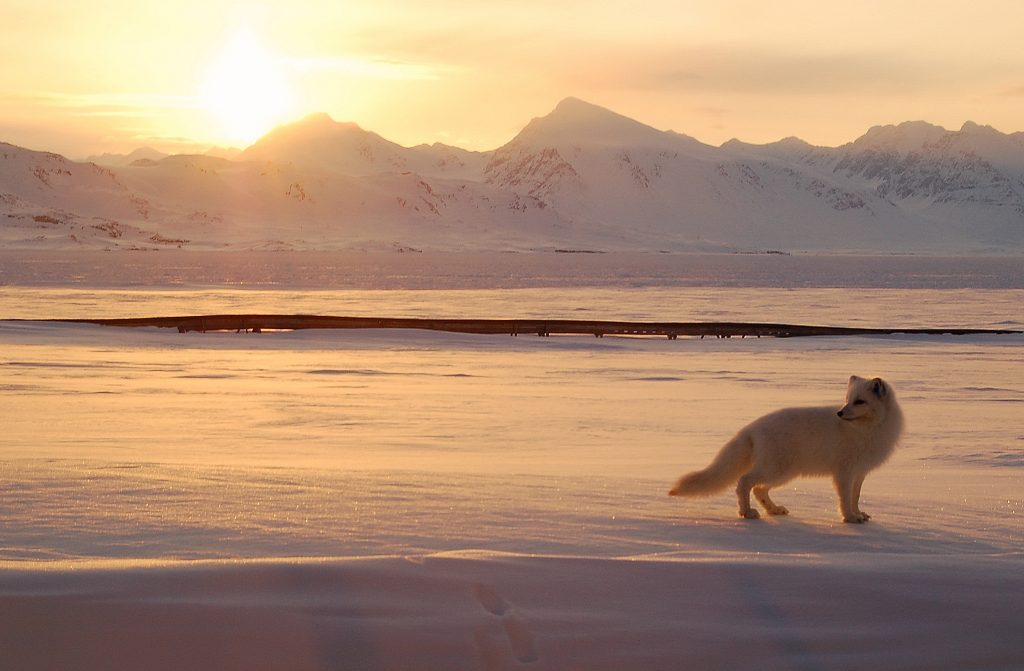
[[406, 499]]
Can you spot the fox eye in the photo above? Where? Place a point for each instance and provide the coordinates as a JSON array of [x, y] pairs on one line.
[[859, 401]]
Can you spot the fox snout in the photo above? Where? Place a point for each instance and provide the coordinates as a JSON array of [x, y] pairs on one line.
[[848, 413]]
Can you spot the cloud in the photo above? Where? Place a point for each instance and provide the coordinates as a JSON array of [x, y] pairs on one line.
[[377, 68], [751, 70], [104, 104]]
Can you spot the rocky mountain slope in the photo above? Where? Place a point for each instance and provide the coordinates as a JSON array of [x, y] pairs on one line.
[[581, 177]]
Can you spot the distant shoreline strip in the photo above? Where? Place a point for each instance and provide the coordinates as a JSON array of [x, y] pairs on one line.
[[542, 327]]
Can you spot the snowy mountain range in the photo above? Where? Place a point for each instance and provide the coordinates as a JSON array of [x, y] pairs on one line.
[[580, 178]]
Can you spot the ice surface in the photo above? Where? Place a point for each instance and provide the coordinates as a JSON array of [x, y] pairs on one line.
[[318, 271]]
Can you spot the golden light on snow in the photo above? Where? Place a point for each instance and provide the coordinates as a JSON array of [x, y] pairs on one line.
[[246, 92]]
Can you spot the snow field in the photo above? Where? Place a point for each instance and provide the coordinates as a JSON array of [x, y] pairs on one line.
[[415, 500]]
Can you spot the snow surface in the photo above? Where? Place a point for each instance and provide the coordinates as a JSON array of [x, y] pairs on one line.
[[415, 500]]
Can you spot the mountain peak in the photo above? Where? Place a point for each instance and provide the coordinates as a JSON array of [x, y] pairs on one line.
[[577, 122], [316, 123], [787, 145], [318, 118], [577, 106], [997, 147], [971, 128], [904, 137], [582, 113], [142, 153], [312, 139]]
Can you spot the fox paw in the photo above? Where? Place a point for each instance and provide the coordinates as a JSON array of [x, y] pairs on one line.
[[857, 518], [750, 514], [778, 510]]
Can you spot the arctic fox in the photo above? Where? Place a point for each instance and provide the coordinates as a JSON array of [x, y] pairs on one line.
[[782, 445]]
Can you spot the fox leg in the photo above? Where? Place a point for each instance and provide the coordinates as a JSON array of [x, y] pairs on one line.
[[743, 497], [747, 481], [848, 491], [857, 484], [761, 494]]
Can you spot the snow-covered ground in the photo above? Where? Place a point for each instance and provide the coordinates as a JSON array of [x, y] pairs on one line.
[[415, 500]]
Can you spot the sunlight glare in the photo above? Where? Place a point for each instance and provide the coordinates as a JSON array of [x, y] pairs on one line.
[[246, 91]]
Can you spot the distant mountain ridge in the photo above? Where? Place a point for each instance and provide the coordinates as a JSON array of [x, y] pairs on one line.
[[580, 177]]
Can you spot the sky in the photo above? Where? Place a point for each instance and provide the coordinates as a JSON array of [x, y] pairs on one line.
[[81, 78]]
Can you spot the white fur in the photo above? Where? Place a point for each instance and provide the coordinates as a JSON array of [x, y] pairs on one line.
[[772, 450]]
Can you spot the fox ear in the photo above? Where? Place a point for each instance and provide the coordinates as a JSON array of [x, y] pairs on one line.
[[853, 378], [878, 387]]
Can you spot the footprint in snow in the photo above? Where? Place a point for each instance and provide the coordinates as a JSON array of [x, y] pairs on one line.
[[516, 633]]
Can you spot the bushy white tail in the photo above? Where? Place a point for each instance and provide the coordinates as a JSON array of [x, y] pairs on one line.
[[732, 461]]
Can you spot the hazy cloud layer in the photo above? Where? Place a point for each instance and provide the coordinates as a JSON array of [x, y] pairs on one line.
[[475, 72]]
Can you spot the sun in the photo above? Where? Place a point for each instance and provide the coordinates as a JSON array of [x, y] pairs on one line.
[[246, 92]]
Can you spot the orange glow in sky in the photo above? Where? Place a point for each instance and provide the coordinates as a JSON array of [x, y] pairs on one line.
[[81, 78], [246, 90]]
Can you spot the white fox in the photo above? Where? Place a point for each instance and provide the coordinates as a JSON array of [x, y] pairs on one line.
[[782, 445]]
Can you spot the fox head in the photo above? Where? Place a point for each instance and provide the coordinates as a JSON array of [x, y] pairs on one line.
[[865, 399]]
